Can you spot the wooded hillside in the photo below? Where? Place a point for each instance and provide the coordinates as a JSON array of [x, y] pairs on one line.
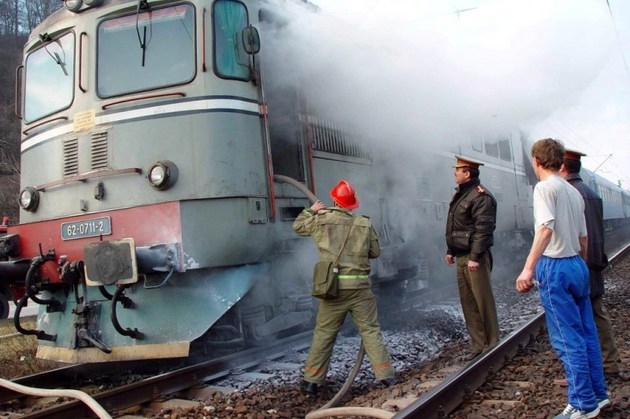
[[17, 19]]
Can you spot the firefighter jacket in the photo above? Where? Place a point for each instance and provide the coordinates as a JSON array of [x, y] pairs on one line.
[[596, 259], [471, 221], [328, 228]]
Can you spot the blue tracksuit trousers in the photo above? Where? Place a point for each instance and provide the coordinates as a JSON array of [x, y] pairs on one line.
[[564, 292]]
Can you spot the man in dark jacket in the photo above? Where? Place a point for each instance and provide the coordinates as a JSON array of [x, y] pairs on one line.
[[596, 261], [330, 227], [469, 235]]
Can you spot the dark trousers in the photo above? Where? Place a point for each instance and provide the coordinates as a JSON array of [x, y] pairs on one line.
[[610, 354], [478, 306]]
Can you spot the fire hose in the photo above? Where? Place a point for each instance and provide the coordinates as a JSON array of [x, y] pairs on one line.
[[43, 392], [329, 409]]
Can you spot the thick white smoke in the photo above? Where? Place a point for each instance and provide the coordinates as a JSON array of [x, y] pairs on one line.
[[413, 71]]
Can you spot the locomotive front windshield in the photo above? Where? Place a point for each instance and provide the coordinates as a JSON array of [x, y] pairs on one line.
[[49, 78], [147, 51]]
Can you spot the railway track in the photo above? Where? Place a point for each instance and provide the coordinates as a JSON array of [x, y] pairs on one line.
[[148, 389], [446, 397], [438, 402]]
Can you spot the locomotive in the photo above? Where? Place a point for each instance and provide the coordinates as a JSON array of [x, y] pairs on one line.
[[163, 162]]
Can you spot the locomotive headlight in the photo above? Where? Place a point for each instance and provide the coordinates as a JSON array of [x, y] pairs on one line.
[[29, 198], [93, 3], [163, 175], [73, 5]]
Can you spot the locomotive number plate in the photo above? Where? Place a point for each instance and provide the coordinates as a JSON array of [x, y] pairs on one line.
[[86, 228]]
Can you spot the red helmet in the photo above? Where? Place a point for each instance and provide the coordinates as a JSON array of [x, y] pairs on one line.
[[344, 195]]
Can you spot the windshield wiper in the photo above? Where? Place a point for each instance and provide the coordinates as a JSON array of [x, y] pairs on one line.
[[46, 39], [144, 5]]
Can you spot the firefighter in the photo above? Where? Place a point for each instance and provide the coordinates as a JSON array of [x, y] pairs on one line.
[[329, 227]]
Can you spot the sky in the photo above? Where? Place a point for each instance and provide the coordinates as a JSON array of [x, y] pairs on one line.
[[550, 68]]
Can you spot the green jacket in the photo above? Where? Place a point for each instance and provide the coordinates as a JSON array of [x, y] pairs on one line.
[[328, 229]]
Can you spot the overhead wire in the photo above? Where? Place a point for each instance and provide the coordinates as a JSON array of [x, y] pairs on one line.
[[591, 150], [621, 50], [623, 55], [619, 173]]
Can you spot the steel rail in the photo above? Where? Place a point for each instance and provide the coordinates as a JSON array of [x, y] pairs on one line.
[[436, 403], [450, 393], [455, 389], [146, 390]]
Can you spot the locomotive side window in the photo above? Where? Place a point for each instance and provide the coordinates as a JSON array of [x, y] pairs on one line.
[[49, 78], [147, 51], [230, 59]]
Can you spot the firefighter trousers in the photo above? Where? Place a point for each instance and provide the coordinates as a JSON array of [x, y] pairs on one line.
[[361, 305]]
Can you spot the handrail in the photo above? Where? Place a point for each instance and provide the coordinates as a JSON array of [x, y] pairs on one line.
[[18, 103], [86, 176], [203, 41], [59, 118], [83, 34], [133, 99]]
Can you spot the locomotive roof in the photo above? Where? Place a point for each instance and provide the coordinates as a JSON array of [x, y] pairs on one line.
[[63, 15]]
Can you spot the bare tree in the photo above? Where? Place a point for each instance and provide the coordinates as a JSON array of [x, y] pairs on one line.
[[17, 18], [37, 11], [10, 57], [10, 189], [9, 17]]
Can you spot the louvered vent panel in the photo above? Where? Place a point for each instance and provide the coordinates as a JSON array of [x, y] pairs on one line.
[[335, 138], [71, 157], [99, 150]]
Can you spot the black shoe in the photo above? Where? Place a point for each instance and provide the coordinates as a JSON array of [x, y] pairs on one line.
[[309, 387], [471, 356], [388, 382]]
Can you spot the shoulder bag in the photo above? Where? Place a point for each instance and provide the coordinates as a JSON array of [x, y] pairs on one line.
[[325, 281]]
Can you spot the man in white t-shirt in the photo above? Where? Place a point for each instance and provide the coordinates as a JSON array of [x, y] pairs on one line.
[[556, 260]]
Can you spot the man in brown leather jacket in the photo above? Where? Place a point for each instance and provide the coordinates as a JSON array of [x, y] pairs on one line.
[[329, 227], [469, 235]]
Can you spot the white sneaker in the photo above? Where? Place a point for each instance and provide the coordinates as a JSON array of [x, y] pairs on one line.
[[604, 403], [571, 412]]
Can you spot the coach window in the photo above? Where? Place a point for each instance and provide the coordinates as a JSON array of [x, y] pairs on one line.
[[49, 75], [147, 51], [230, 59], [492, 147], [505, 152], [476, 143]]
